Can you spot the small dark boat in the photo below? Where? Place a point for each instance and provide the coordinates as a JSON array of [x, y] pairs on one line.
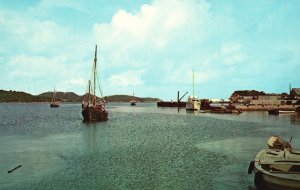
[[277, 112], [133, 101], [93, 109], [54, 103]]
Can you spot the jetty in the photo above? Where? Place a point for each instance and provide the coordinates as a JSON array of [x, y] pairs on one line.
[[177, 103], [252, 100]]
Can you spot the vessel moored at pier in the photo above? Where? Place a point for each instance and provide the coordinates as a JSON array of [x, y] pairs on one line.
[[193, 103]]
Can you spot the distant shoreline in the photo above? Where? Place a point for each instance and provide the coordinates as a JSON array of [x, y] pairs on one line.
[[63, 97]]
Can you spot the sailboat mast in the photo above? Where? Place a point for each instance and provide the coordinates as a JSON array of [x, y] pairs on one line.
[[95, 67], [53, 98], [88, 102], [193, 83]]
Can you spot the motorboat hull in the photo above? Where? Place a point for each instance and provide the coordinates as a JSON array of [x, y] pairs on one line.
[[272, 168], [265, 179]]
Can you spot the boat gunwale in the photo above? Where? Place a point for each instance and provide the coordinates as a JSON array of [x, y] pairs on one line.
[[283, 175]]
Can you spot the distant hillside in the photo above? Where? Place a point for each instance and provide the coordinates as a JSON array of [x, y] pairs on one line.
[[253, 93], [247, 93], [126, 98], [64, 96], [14, 96]]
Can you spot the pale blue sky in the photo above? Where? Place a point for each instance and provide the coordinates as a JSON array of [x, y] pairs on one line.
[[151, 47]]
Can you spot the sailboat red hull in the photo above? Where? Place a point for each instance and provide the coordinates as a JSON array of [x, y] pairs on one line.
[[97, 113]]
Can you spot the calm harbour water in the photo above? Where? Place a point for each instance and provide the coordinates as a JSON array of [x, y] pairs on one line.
[[141, 147]]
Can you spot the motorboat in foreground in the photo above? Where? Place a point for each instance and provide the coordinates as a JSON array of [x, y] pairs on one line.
[[277, 167]]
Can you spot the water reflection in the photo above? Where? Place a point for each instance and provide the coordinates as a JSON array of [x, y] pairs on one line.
[[295, 119], [192, 112]]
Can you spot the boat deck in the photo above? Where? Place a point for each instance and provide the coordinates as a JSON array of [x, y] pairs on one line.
[[271, 156]]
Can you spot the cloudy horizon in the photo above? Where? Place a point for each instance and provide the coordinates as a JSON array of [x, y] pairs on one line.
[[150, 47]]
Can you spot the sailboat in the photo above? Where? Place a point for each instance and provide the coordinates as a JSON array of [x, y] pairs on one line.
[[92, 109], [54, 103], [133, 101], [193, 103]]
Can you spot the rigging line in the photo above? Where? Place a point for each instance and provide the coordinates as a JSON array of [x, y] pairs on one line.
[[91, 73], [99, 85]]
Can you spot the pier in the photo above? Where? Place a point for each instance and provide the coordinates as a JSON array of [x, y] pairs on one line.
[[173, 104]]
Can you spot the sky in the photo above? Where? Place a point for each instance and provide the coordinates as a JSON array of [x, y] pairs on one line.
[[150, 47]]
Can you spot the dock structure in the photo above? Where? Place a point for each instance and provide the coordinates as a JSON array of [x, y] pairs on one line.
[[173, 104]]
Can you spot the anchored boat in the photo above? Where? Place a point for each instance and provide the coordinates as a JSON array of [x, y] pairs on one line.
[[193, 103], [133, 101], [54, 103], [93, 109], [277, 167]]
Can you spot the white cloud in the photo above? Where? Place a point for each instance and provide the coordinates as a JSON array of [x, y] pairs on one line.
[[167, 39], [47, 71], [155, 27], [75, 81], [35, 65], [230, 54], [37, 36], [185, 76], [128, 78], [1, 19], [47, 34], [156, 45], [48, 4]]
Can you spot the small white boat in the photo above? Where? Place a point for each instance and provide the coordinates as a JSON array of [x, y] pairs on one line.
[[133, 101], [193, 103], [277, 167], [285, 112]]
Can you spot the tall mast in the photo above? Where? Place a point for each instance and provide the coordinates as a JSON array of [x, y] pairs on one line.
[[95, 69], [88, 102], [53, 98], [193, 84]]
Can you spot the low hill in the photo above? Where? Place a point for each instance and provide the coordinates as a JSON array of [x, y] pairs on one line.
[[126, 98], [14, 96], [64, 96]]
